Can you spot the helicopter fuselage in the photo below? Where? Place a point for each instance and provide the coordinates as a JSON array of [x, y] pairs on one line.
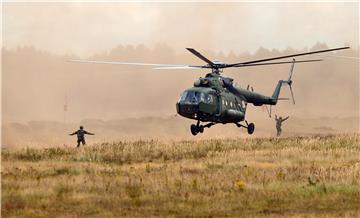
[[210, 101]]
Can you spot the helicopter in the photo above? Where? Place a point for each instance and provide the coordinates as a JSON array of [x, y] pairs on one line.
[[214, 99]]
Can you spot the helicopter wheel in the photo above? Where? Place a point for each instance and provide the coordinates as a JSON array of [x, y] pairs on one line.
[[194, 129], [251, 128], [201, 129]]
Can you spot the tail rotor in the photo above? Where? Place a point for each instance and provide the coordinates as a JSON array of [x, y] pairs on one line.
[[289, 81], [292, 94]]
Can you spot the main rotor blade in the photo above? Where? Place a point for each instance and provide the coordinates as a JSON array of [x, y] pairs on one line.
[[197, 54], [287, 56], [130, 63], [177, 68], [281, 62]]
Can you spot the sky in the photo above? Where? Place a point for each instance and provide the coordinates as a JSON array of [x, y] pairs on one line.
[[85, 29]]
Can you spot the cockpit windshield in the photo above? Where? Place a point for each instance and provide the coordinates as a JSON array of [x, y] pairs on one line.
[[194, 97]]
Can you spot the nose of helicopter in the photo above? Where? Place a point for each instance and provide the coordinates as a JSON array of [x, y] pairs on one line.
[[195, 103], [187, 110]]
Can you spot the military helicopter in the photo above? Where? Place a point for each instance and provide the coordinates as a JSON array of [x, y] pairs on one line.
[[215, 99]]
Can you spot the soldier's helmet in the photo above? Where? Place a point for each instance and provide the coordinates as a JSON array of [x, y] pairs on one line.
[[81, 127]]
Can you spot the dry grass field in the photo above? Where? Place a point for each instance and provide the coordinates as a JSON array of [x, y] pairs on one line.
[[317, 176]]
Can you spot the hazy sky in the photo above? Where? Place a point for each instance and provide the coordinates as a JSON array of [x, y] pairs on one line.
[[88, 28]]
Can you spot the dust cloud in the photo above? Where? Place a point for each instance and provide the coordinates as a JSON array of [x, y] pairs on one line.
[[35, 84], [126, 102]]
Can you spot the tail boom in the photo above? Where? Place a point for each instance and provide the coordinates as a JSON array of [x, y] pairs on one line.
[[259, 99]]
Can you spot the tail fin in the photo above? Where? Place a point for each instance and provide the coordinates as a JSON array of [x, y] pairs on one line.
[[275, 95]]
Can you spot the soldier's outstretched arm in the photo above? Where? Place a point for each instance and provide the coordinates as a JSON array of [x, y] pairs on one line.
[[285, 118], [89, 133], [74, 133]]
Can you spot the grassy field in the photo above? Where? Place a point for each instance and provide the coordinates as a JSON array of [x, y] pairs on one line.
[[315, 176]]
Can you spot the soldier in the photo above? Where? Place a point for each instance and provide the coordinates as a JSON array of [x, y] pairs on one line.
[[278, 123], [81, 135]]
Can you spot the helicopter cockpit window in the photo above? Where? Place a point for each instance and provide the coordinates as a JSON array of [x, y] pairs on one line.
[[194, 97], [183, 96], [209, 99]]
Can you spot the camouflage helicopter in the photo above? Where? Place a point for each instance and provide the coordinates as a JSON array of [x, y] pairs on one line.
[[215, 99]]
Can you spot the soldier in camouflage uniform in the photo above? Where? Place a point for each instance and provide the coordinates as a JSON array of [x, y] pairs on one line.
[[81, 135], [278, 124]]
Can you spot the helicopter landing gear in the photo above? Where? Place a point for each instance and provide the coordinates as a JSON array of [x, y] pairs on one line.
[[195, 129], [249, 126]]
